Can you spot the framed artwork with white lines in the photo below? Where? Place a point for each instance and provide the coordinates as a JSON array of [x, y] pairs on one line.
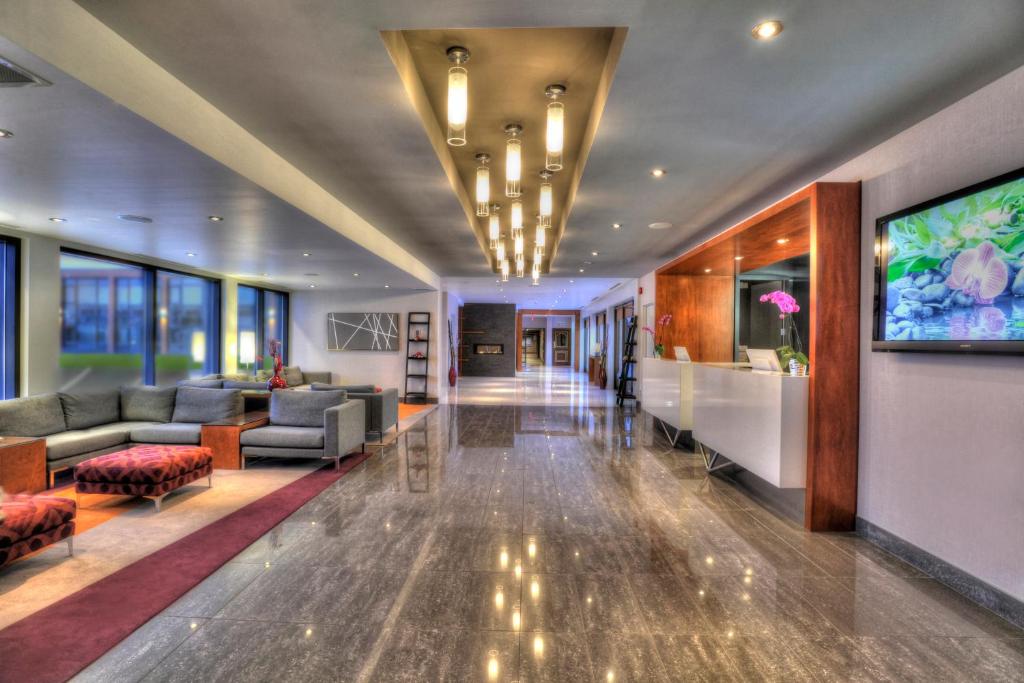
[[362, 331]]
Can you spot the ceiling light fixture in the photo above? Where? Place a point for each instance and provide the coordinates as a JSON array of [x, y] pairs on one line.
[[539, 240], [190, 254], [305, 253], [535, 272], [458, 95], [556, 127], [6, 133], [56, 219], [658, 172], [782, 240], [520, 267], [312, 286], [661, 225], [504, 270], [387, 286], [518, 245], [483, 185], [737, 258], [494, 226], [616, 226], [593, 253], [516, 220], [355, 274], [546, 199], [215, 219], [513, 161], [707, 270], [766, 30], [499, 252], [581, 270]]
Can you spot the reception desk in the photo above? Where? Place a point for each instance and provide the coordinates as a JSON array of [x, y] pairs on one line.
[[756, 420], [668, 393]]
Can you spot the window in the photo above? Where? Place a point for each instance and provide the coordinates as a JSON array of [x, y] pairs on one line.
[[125, 323], [187, 336], [10, 283], [262, 317]]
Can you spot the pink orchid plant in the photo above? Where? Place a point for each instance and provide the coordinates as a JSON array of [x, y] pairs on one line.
[[785, 302], [656, 336], [787, 306]]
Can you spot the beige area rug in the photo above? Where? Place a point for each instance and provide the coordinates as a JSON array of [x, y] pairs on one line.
[[35, 582]]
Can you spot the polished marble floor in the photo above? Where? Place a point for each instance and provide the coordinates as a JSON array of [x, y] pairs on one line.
[[558, 543]]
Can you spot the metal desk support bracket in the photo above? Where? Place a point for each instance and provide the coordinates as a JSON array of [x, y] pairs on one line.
[[673, 440], [711, 458]]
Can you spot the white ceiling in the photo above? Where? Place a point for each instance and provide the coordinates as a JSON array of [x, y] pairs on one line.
[[79, 156], [733, 120], [735, 123], [552, 292]]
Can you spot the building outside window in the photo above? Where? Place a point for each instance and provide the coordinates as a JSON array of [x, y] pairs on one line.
[[10, 290], [125, 323], [262, 317]]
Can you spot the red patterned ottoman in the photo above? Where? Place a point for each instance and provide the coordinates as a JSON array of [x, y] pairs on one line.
[[32, 522], [148, 471]]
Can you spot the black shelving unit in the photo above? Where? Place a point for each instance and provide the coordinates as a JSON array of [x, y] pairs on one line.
[[417, 340], [627, 377]]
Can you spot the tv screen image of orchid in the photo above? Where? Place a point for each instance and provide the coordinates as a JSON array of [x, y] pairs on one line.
[[955, 271]]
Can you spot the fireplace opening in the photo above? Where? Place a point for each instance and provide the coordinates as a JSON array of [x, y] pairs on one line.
[[489, 349]]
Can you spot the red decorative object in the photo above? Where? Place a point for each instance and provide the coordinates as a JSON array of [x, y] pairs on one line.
[[452, 376], [277, 381]]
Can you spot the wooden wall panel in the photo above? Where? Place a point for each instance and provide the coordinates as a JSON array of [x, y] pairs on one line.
[[703, 318], [834, 409]]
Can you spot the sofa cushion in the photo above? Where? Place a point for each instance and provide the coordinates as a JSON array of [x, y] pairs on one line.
[[82, 411], [292, 375], [245, 386], [32, 416], [148, 404], [202, 383], [207, 405], [172, 432], [284, 437], [67, 444], [358, 388], [302, 408], [273, 452]]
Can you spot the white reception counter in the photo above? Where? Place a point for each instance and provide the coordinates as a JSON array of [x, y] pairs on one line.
[[757, 420], [668, 392]]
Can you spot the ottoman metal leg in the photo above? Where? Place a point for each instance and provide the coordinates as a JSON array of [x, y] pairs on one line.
[[157, 500], [71, 546], [209, 480]]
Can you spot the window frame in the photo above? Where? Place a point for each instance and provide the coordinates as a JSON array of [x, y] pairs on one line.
[[261, 317], [151, 306]]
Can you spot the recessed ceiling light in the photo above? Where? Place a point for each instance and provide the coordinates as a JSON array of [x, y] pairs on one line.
[[767, 30], [616, 226], [56, 219], [216, 219], [661, 225], [782, 240], [738, 258], [264, 274], [571, 281], [387, 286], [593, 253], [312, 286], [581, 270], [305, 253], [6, 133], [707, 270], [190, 254], [658, 172], [355, 274], [132, 218]]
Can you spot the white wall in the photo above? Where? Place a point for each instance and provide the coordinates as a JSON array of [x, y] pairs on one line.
[[941, 436], [308, 337], [606, 303]]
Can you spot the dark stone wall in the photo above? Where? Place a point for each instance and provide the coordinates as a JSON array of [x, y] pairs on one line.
[[489, 324]]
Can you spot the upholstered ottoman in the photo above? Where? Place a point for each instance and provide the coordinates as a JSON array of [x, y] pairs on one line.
[[148, 471], [32, 522]]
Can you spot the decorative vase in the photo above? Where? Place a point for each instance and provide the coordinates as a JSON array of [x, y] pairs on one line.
[[452, 375], [276, 382]]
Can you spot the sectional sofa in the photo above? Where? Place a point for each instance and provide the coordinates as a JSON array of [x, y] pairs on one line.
[[81, 426], [294, 376], [381, 406]]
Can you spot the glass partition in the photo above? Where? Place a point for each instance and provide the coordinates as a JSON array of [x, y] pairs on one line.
[[757, 324], [186, 335]]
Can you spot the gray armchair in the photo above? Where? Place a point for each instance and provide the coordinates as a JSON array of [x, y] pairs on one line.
[[306, 424], [381, 406]]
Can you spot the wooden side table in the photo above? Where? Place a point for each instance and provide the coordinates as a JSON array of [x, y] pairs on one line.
[[22, 464], [223, 437]]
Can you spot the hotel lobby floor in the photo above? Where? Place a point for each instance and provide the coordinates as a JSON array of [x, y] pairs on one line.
[[541, 385], [559, 543]]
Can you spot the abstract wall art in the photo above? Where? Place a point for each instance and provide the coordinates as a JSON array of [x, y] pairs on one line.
[[362, 331]]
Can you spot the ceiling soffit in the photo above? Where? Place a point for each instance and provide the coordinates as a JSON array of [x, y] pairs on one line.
[[509, 70]]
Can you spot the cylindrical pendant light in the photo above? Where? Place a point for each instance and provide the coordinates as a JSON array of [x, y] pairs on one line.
[[540, 239], [504, 270], [483, 185], [519, 245], [458, 95], [546, 201], [516, 220], [513, 160], [499, 252], [494, 226], [535, 272], [520, 268], [556, 127]]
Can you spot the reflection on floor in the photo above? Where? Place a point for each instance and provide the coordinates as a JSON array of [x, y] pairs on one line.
[[533, 386], [561, 543]]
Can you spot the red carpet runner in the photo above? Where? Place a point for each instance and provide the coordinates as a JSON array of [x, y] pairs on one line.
[[58, 641]]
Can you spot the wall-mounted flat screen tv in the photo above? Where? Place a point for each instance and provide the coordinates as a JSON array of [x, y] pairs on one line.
[[949, 273]]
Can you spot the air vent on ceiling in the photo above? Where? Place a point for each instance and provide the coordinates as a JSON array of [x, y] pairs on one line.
[[14, 76]]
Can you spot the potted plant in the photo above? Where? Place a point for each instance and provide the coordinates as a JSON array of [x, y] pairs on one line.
[[658, 336], [790, 352]]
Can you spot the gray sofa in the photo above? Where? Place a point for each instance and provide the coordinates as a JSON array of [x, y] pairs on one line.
[[81, 426], [293, 375], [381, 406], [307, 424]]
